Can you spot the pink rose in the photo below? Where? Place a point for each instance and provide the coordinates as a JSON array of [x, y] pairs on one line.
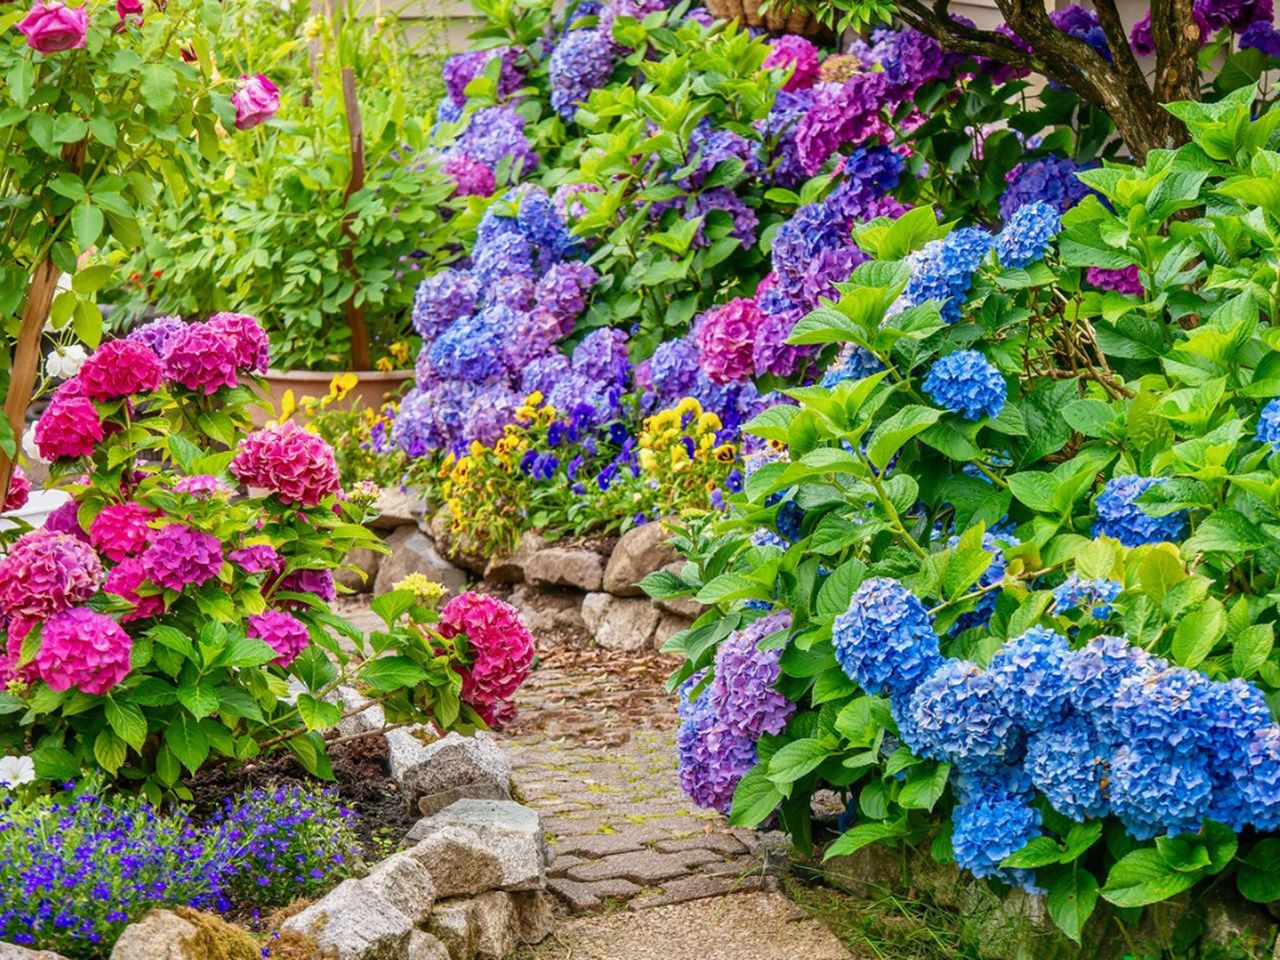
[[51, 27], [127, 8], [256, 100]]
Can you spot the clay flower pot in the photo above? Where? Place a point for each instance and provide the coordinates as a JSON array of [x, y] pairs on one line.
[[775, 20], [371, 390]]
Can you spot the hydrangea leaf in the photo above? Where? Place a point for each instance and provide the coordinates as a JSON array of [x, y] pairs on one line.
[[1143, 877], [1072, 900]]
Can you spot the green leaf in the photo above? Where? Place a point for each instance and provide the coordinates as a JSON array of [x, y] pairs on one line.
[[924, 787], [200, 699], [127, 720], [391, 673], [1039, 852], [1259, 876], [109, 750], [1033, 488], [54, 763], [795, 759], [1250, 649], [86, 224], [890, 435], [1071, 901], [1199, 632], [310, 750], [859, 836], [837, 589], [1142, 877], [158, 86], [318, 714], [1226, 531], [754, 799], [188, 741]]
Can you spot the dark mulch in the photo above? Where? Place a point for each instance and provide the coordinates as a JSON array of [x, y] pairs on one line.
[[363, 783]]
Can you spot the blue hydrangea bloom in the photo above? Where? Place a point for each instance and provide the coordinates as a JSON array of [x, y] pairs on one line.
[[851, 363], [743, 691], [1119, 514], [1028, 671], [1167, 710], [764, 537], [1028, 235], [1269, 424], [503, 255], [1095, 671], [1068, 763], [988, 828], [943, 270], [469, 348], [1261, 788], [965, 382], [1075, 593], [885, 640], [958, 714], [980, 616], [580, 63], [1156, 792], [542, 226]]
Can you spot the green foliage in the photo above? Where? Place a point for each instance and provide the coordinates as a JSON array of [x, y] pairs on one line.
[[1167, 384]]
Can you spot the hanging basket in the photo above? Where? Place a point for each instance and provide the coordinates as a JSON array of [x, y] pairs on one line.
[[775, 21]]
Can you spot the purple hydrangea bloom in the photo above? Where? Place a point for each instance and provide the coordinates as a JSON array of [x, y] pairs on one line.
[[1083, 24], [781, 126], [742, 692], [460, 69], [710, 146], [909, 59], [156, 333], [492, 409], [965, 382], [885, 640], [581, 62], [1263, 36], [1126, 281], [495, 134], [542, 375], [563, 289], [711, 757], [180, 556], [850, 112], [320, 583], [1119, 514], [502, 256], [1051, 179], [441, 299], [602, 356]]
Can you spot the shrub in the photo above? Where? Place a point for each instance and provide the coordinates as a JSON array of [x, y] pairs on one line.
[[157, 621], [80, 865], [1023, 546]]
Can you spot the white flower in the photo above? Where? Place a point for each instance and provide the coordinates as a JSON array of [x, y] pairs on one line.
[[29, 446], [65, 362], [15, 771]]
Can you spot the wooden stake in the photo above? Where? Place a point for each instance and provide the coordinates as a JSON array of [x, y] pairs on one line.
[[355, 133]]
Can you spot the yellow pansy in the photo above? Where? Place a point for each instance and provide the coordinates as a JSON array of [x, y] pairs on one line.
[[342, 384]]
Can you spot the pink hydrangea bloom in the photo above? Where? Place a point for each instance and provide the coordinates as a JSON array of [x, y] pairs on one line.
[[120, 530], [1121, 281], [258, 558], [66, 519], [502, 649], [124, 580], [202, 486], [473, 177], [69, 426], [282, 632], [295, 465], [180, 556], [19, 490], [792, 49], [120, 368], [252, 350], [45, 572], [15, 631], [201, 357], [83, 649], [726, 336]]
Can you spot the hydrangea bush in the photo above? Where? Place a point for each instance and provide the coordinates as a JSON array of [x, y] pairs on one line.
[[175, 611], [1010, 569]]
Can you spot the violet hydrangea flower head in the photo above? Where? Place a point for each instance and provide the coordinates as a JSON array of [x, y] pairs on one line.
[[742, 692], [180, 556], [156, 333], [1028, 235], [121, 530], [66, 519], [69, 427], [793, 51], [460, 69], [44, 573], [202, 486], [770, 353], [885, 641], [908, 58], [318, 583], [492, 409], [201, 358], [1262, 36], [1050, 179], [563, 289], [258, 558], [1119, 515], [83, 649], [469, 348], [602, 356], [441, 299], [120, 368], [282, 632], [252, 350], [726, 338], [294, 464], [501, 645], [581, 62], [966, 382], [494, 134], [850, 112], [1126, 281], [711, 757]]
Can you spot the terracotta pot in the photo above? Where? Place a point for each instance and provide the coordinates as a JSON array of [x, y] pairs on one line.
[[775, 21], [372, 390]]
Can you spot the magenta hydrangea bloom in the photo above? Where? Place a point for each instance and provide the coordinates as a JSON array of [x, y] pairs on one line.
[[794, 50], [69, 427], [45, 573], [846, 113], [124, 580], [726, 337], [743, 691], [282, 632], [121, 530], [252, 350], [66, 519], [19, 490], [295, 465], [317, 582], [179, 557], [201, 357], [83, 649], [202, 486], [1121, 281], [473, 177], [501, 646], [120, 368], [258, 558]]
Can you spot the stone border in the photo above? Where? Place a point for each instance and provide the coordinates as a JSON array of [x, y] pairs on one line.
[[588, 588]]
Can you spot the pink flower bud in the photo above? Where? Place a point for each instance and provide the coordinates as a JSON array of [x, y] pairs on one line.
[[256, 100], [51, 27], [129, 8]]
